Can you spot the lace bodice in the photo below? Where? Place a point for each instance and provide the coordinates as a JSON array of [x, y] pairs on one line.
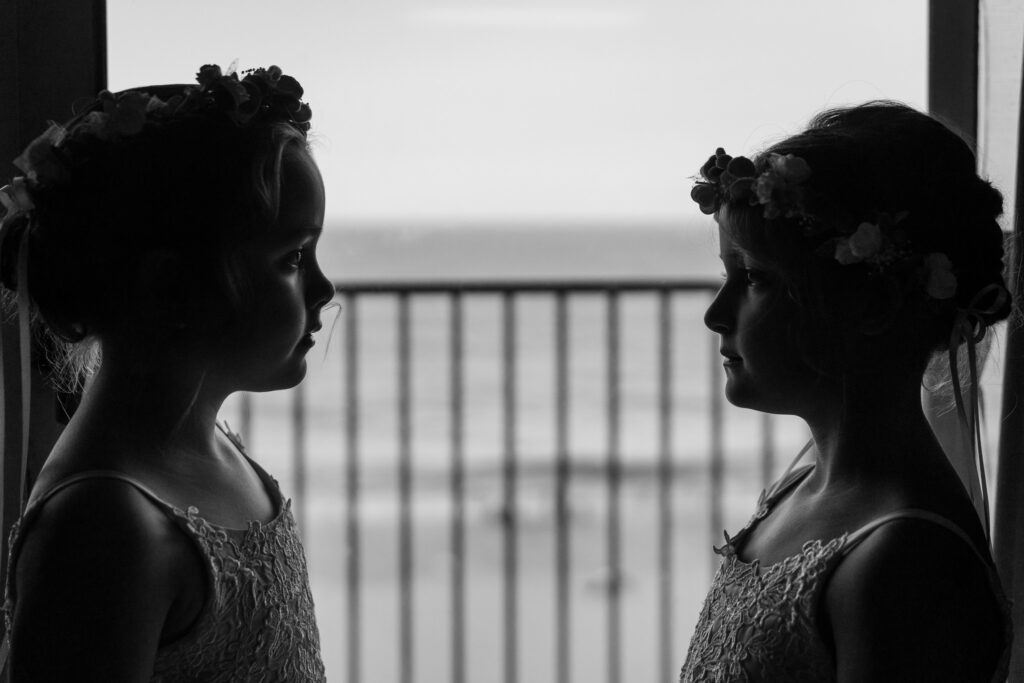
[[758, 623], [258, 622]]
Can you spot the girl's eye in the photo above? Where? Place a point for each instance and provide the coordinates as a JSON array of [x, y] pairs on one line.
[[754, 277], [294, 258]]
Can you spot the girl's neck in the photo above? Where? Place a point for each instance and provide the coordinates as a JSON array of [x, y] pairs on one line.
[[874, 431], [168, 405]]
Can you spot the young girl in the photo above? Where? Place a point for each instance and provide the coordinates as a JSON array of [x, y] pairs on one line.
[[853, 252], [172, 229]]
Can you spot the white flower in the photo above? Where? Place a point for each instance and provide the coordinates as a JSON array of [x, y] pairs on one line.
[[38, 160], [94, 123], [16, 198], [764, 186], [792, 168], [844, 254], [941, 283], [866, 241]]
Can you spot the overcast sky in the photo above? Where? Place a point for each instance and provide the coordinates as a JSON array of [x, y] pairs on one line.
[[535, 110]]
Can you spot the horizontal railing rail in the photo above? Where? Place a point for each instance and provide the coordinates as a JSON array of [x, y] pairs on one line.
[[537, 285]]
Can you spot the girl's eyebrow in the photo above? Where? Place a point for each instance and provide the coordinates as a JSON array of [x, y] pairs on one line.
[[310, 230], [734, 253], [291, 235]]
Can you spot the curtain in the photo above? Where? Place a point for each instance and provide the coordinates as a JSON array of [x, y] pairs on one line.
[[1001, 33]]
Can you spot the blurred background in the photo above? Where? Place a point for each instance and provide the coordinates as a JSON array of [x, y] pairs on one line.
[[511, 457]]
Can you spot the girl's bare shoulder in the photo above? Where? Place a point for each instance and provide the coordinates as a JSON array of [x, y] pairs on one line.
[[904, 602], [99, 521], [97, 553]]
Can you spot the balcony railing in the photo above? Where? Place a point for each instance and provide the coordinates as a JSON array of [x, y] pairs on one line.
[[481, 418]]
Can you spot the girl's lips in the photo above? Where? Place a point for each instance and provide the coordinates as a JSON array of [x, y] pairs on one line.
[[731, 359], [308, 339]]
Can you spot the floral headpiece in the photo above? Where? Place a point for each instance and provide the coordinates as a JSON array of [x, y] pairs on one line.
[[877, 242], [259, 94]]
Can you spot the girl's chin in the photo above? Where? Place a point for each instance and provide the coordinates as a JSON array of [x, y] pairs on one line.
[[748, 398], [742, 393], [288, 378]]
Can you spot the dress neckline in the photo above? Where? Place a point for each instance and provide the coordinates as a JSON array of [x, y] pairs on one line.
[[846, 540], [270, 486], [765, 504]]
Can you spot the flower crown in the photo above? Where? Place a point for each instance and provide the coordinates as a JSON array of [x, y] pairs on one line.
[[878, 243], [261, 94]]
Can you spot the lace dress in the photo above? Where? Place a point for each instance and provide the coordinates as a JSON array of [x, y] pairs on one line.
[[758, 623], [257, 624]]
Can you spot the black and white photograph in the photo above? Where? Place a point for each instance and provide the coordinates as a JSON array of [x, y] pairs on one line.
[[481, 341]]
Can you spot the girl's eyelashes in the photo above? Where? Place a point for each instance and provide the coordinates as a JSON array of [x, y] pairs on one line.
[[755, 277], [752, 277], [294, 258]]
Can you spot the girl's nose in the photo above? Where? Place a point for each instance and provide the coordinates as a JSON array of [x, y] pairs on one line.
[[319, 289], [716, 317]]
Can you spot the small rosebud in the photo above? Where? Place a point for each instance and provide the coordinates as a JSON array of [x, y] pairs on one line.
[[741, 188], [706, 196], [741, 167], [208, 74]]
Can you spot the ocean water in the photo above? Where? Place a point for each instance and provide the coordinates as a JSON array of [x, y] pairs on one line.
[[558, 251]]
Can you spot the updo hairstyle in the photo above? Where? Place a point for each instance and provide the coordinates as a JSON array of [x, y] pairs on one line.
[[867, 160], [191, 189]]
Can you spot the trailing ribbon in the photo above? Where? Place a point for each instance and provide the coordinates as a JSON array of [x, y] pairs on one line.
[[17, 201], [969, 328]]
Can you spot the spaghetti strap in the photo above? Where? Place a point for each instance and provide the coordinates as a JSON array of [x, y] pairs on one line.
[[789, 475], [858, 536], [99, 474]]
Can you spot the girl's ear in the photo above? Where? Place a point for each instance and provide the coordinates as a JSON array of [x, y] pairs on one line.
[[163, 289], [881, 302]]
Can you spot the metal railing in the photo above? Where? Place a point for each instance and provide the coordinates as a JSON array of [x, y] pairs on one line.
[[612, 465]]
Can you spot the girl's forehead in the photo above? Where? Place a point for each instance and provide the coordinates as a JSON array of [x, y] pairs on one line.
[[727, 246], [302, 190]]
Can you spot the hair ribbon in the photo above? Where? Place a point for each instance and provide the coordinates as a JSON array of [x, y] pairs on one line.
[[17, 201], [969, 329]]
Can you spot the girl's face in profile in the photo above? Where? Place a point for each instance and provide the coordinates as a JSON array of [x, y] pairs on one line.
[[757, 322], [268, 350]]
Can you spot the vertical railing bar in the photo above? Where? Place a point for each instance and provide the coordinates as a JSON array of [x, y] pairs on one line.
[[353, 541], [405, 549], [299, 457], [458, 530], [666, 482], [509, 506], [614, 485], [717, 464], [767, 450], [563, 652]]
